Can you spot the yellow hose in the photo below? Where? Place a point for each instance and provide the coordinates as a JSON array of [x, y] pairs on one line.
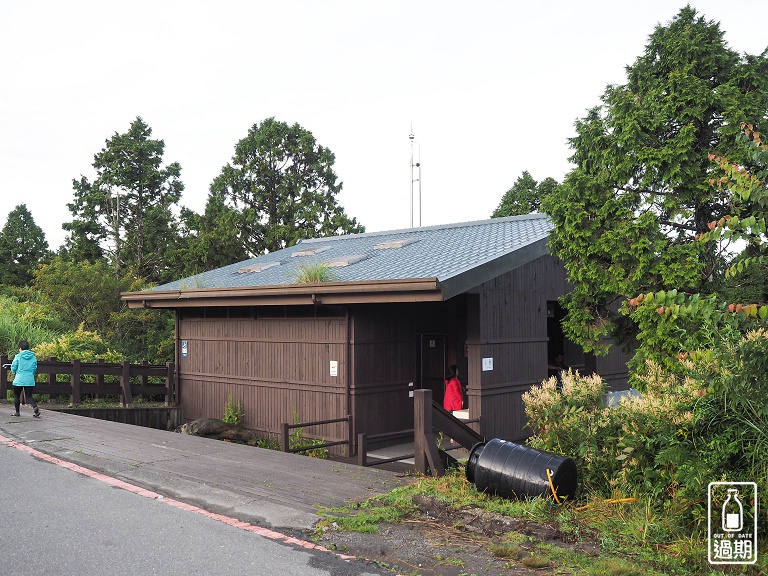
[[552, 486], [610, 501]]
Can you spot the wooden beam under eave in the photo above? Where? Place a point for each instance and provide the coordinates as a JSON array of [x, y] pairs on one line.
[[290, 300], [374, 286]]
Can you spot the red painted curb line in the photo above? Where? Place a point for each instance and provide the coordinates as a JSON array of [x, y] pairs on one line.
[[265, 532]]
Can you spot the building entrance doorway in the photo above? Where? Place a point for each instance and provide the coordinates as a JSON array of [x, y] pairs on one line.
[[559, 347], [432, 365]]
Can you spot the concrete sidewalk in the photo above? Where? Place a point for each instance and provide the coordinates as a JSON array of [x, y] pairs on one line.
[[264, 487]]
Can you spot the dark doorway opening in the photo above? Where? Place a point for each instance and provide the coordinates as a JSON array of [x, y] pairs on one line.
[[559, 348], [432, 373]]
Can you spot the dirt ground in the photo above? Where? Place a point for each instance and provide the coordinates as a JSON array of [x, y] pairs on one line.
[[447, 542]]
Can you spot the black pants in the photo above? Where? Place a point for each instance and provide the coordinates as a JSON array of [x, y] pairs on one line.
[[28, 395]]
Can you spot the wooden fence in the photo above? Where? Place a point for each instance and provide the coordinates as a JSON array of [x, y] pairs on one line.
[[428, 417], [98, 379], [285, 444]]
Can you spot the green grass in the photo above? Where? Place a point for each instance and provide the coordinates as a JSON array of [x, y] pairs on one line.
[[506, 550], [631, 538], [314, 273]]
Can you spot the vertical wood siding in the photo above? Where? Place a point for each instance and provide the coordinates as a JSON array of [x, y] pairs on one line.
[[385, 349], [277, 368], [513, 331]]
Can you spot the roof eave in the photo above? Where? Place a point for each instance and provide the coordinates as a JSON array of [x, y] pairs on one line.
[[358, 292], [473, 277]]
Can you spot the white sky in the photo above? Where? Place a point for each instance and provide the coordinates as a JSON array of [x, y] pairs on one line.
[[489, 88]]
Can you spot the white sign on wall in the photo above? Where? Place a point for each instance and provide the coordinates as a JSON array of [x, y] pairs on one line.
[[334, 367], [183, 348], [487, 364]]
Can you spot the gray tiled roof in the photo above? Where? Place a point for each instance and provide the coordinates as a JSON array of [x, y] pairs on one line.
[[444, 252]]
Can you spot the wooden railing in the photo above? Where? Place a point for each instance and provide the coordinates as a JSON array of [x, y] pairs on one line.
[[127, 380], [286, 435], [366, 441], [428, 418]]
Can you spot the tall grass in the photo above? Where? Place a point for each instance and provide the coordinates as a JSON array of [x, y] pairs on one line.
[[314, 273], [13, 329]]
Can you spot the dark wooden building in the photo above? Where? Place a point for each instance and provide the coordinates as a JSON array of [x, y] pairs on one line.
[[399, 309]]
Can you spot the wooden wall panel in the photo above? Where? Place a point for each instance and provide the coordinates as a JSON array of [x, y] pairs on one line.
[[512, 310], [384, 350], [613, 368], [276, 368]]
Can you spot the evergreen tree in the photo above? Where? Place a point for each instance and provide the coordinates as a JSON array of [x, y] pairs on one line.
[[127, 211], [525, 196], [279, 188], [208, 241], [627, 216], [22, 247]]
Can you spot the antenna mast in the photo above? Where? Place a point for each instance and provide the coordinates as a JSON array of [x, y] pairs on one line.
[[418, 179]]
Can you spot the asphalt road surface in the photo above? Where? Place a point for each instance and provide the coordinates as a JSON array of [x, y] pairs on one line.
[[58, 522]]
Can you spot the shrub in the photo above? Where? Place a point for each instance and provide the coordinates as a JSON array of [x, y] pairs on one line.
[[669, 443], [78, 345], [233, 414], [573, 422]]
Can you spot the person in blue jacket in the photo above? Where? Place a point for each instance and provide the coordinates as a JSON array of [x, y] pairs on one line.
[[23, 368]]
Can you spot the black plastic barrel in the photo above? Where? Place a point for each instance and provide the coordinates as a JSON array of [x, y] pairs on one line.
[[514, 471]]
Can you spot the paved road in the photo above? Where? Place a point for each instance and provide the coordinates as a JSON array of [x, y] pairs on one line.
[[264, 487], [59, 522]]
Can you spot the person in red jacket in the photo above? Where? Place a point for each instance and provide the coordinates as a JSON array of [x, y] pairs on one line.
[[453, 399]]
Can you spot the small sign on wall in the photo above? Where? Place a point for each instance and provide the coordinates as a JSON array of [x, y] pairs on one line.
[[183, 348], [487, 364], [334, 367]]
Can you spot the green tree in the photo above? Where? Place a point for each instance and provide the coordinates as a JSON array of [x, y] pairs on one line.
[[718, 343], [143, 334], [282, 188], [674, 324], [22, 247], [628, 215], [85, 294], [208, 241], [128, 209], [525, 196]]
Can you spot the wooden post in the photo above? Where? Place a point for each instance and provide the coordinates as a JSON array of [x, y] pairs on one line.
[[426, 455], [285, 439], [125, 384], [51, 373], [351, 435], [170, 370], [362, 450], [99, 379], [4, 377], [74, 382]]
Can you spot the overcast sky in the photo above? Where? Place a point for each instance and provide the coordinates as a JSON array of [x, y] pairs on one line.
[[488, 88]]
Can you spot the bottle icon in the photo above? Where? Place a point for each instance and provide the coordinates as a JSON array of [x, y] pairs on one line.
[[733, 512]]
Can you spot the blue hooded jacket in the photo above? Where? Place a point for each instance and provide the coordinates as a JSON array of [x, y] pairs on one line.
[[24, 367]]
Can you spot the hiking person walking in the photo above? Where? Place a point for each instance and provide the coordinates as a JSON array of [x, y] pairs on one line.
[[23, 368]]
